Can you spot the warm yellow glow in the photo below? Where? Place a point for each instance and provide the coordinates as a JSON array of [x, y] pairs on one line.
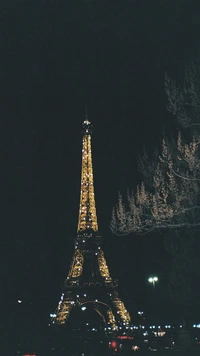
[[77, 264], [135, 348], [111, 320], [87, 212], [63, 311], [121, 310], [103, 266], [72, 297]]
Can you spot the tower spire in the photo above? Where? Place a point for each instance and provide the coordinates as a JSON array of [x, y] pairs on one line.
[[87, 221], [86, 113]]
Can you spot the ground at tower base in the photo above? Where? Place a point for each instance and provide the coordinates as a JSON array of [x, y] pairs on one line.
[[93, 341]]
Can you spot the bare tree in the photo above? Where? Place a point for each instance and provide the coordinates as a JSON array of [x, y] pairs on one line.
[[168, 197], [184, 100]]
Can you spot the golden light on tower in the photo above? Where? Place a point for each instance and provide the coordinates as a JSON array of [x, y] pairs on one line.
[[85, 285], [87, 212]]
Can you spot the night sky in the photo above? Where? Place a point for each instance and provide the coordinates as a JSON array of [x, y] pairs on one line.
[[55, 57]]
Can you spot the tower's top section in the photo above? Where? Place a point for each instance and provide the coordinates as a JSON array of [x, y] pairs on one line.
[[87, 222], [87, 127]]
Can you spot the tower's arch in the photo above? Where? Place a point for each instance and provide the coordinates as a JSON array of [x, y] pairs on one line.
[[105, 312]]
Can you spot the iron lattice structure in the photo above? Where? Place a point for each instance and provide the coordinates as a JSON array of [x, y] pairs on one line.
[[89, 280], [87, 213]]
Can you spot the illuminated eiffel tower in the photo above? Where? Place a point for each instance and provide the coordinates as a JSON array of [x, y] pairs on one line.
[[89, 280]]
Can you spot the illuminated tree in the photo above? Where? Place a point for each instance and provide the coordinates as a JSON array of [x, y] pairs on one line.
[[168, 197]]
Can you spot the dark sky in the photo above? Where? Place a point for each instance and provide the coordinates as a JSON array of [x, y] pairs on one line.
[[56, 56]]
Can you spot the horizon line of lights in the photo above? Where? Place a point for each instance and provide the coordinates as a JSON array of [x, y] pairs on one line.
[[196, 326], [142, 326], [152, 327]]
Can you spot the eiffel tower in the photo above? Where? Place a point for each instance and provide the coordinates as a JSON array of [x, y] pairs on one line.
[[89, 280]]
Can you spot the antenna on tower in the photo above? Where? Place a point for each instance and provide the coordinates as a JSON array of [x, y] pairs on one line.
[[86, 113]]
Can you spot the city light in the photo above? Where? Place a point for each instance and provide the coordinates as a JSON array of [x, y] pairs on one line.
[[114, 344], [153, 280], [83, 308], [135, 348]]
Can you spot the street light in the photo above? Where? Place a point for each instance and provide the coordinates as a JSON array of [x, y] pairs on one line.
[[140, 312], [153, 280]]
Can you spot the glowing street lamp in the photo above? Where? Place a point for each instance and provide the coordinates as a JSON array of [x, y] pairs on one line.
[[140, 312], [153, 280]]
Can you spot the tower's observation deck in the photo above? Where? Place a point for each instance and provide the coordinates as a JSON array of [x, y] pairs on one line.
[[87, 221]]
